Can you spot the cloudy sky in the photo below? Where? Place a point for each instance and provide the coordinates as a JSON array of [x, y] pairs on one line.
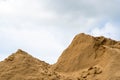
[[44, 28]]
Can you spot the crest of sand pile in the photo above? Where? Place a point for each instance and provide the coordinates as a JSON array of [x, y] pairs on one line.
[[86, 58], [22, 66], [87, 53]]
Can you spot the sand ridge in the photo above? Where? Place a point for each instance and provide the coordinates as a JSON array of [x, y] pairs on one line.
[[86, 58]]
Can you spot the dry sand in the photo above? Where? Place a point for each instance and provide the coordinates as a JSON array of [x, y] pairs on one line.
[[86, 58]]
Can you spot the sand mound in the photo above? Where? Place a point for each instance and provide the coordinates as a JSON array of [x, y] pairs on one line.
[[22, 66], [91, 56], [86, 58]]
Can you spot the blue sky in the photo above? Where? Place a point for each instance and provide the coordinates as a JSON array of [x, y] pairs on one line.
[[44, 28]]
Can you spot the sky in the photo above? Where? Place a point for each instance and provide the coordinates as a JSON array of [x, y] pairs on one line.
[[44, 28]]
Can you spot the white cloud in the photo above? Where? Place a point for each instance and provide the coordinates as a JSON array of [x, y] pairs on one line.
[[46, 27], [41, 42], [30, 8], [109, 30]]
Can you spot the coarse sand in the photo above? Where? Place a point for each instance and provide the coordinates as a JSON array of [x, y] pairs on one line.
[[86, 58]]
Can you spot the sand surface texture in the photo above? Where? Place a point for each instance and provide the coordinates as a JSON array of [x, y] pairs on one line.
[[86, 58]]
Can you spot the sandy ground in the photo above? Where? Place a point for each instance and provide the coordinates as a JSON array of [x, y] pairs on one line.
[[86, 58]]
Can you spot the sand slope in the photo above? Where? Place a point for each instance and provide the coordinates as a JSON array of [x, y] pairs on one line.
[[22, 66], [86, 58], [91, 58]]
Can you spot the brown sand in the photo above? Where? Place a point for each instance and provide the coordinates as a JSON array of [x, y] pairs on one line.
[[86, 58], [22, 66]]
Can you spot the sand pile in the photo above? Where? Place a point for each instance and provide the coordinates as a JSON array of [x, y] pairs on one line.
[[86, 58], [22, 66], [91, 58]]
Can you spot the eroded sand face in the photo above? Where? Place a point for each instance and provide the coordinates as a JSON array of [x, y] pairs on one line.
[[86, 58]]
